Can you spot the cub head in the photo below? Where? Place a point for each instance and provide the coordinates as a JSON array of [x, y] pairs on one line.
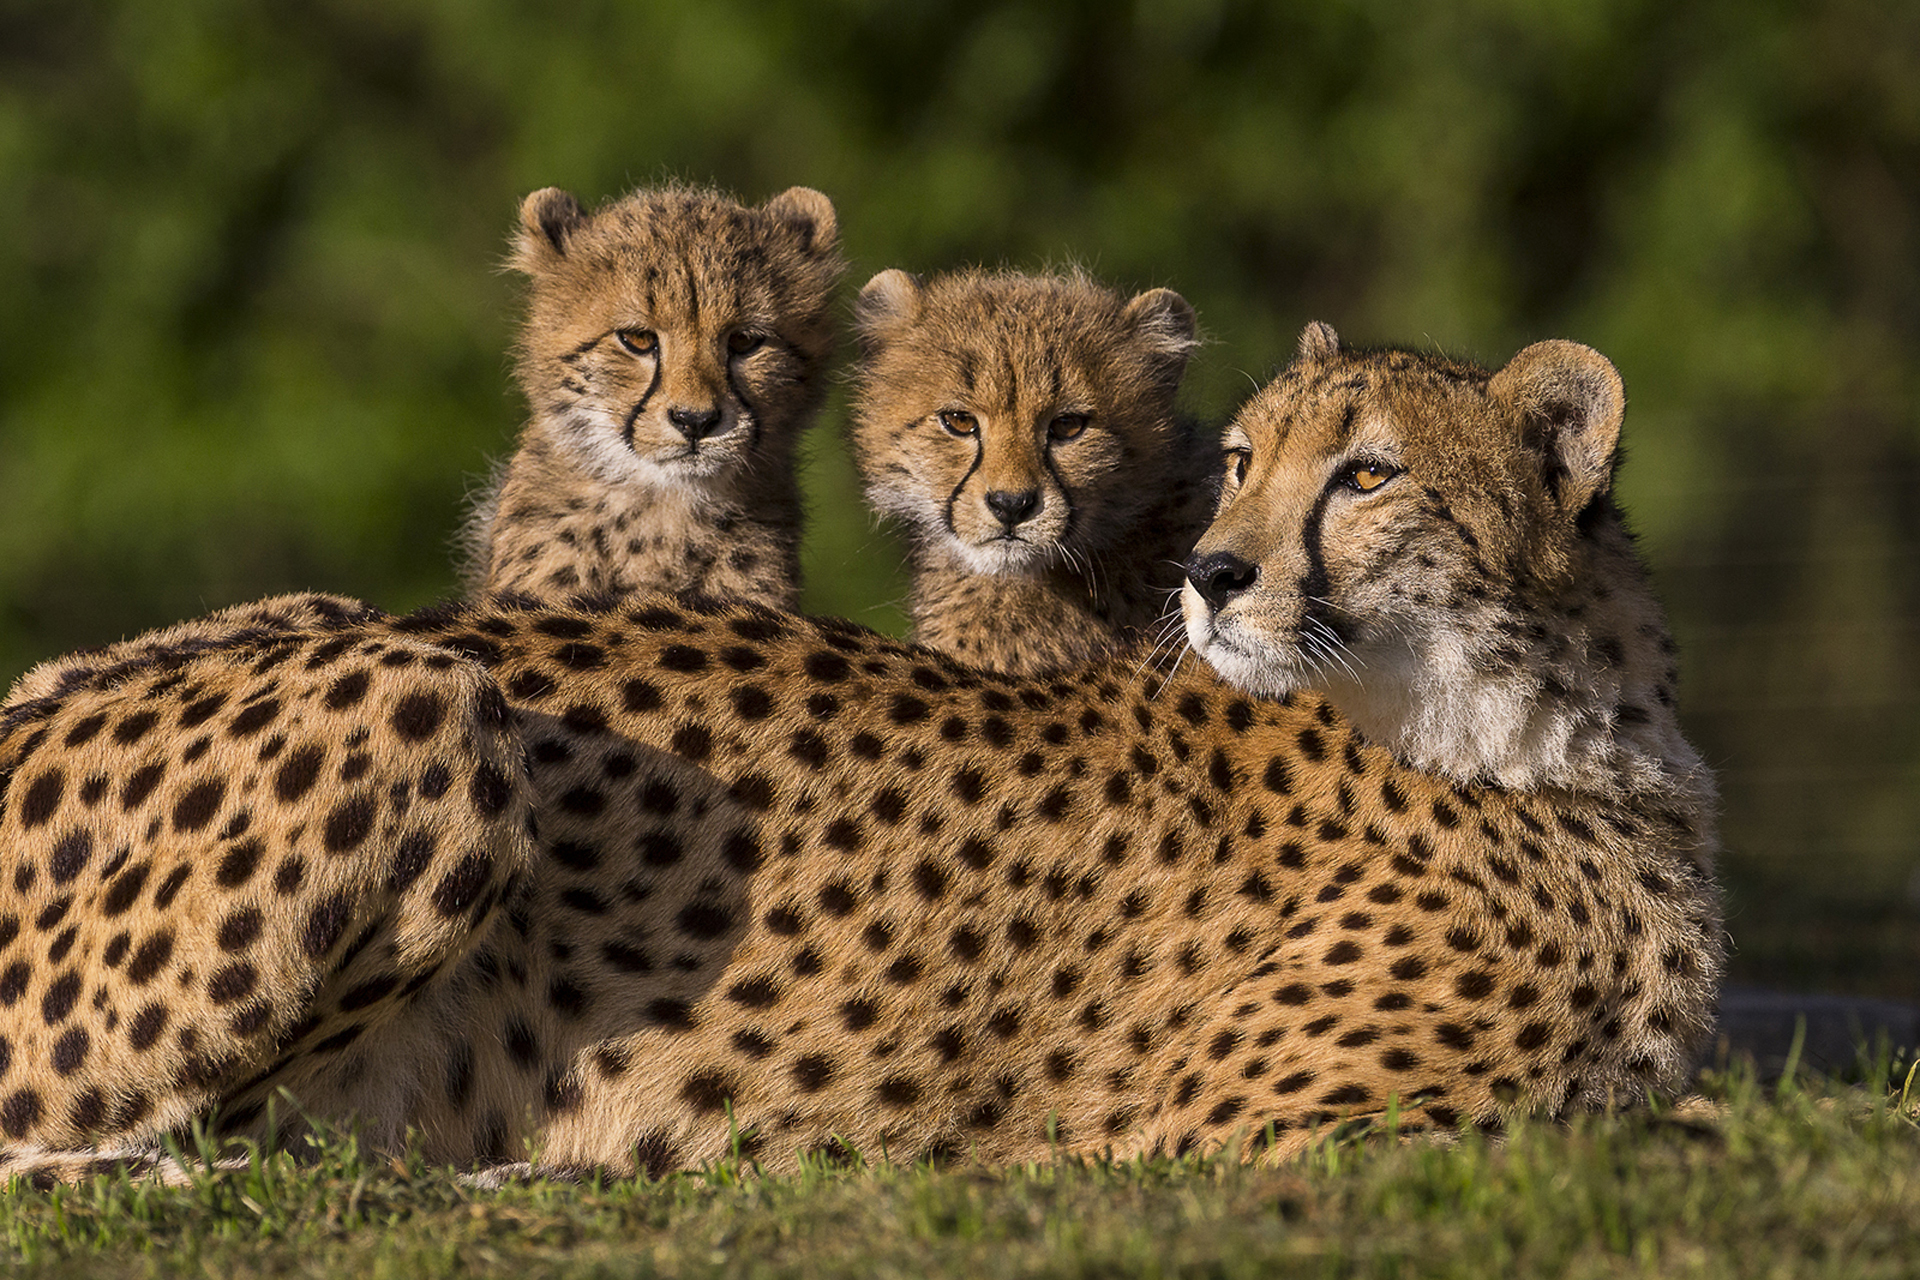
[[1435, 547], [1011, 420], [675, 334]]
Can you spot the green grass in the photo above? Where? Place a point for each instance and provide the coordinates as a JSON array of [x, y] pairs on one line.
[[1816, 1181]]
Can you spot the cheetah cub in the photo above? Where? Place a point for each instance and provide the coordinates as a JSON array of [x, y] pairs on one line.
[[1022, 429], [671, 358]]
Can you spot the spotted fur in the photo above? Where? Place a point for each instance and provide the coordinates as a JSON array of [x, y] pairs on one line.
[[801, 888], [672, 356], [1021, 428]]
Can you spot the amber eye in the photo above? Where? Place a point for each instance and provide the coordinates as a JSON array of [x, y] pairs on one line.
[[642, 342], [1365, 477], [1237, 460], [1067, 426], [741, 341], [959, 422]]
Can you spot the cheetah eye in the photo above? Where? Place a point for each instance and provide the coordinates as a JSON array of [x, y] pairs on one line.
[[1237, 460], [641, 342], [741, 341], [1067, 426], [959, 422], [1365, 477]]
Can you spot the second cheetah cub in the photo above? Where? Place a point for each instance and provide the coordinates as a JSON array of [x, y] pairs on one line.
[[1022, 428], [672, 355]]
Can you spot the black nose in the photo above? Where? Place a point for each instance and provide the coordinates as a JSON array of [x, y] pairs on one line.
[[1220, 577], [694, 424], [1011, 508]]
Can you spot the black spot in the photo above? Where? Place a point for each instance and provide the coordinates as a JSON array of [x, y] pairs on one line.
[[810, 749], [238, 864], [325, 923], [828, 667], [490, 790], [240, 929], [20, 1112], [70, 856], [346, 691], [61, 995], [41, 799], [235, 982], [349, 824], [144, 1028], [897, 1091], [125, 889], [755, 993], [626, 958], [708, 1091], [683, 658], [298, 772], [703, 920], [640, 696], [135, 727]]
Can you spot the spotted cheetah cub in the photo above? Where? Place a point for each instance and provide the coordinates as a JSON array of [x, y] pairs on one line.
[[671, 358], [1021, 428]]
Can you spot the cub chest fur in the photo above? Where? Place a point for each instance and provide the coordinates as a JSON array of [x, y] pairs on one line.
[[1021, 428], [673, 353]]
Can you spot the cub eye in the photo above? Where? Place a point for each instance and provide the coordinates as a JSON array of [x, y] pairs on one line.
[[959, 422], [641, 342], [1237, 460], [1067, 426], [741, 341], [1368, 476]]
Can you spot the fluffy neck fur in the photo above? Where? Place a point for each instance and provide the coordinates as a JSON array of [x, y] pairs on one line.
[[640, 528], [1581, 699]]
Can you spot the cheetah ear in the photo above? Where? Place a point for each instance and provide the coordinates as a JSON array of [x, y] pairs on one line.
[[1318, 341], [887, 304], [1165, 324], [1568, 401], [548, 218], [810, 214]]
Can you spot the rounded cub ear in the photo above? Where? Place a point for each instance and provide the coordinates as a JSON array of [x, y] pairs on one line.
[[548, 218], [1318, 341], [809, 213], [1567, 401], [1165, 324], [887, 304]]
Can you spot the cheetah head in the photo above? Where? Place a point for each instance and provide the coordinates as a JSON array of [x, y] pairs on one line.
[[674, 332], [1013, 421], [1429, 545]]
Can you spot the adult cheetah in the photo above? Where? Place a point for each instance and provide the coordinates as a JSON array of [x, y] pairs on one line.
[[672, 357], [1021, 428], [798, 887]]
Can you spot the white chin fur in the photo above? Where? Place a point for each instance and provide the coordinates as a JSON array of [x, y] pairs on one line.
[[1248, 663], [1000, 555], [610, 459]]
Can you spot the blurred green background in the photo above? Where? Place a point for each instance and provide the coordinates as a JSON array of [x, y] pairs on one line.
[[252, 329]]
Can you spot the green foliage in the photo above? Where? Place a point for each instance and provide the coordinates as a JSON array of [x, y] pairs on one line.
[[1809, 1182], [252, 334]]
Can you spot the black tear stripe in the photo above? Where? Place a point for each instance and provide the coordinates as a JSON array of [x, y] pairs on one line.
[[1314, 583], [1066, 494], [749, 410], [633, 416], [979, 452]]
